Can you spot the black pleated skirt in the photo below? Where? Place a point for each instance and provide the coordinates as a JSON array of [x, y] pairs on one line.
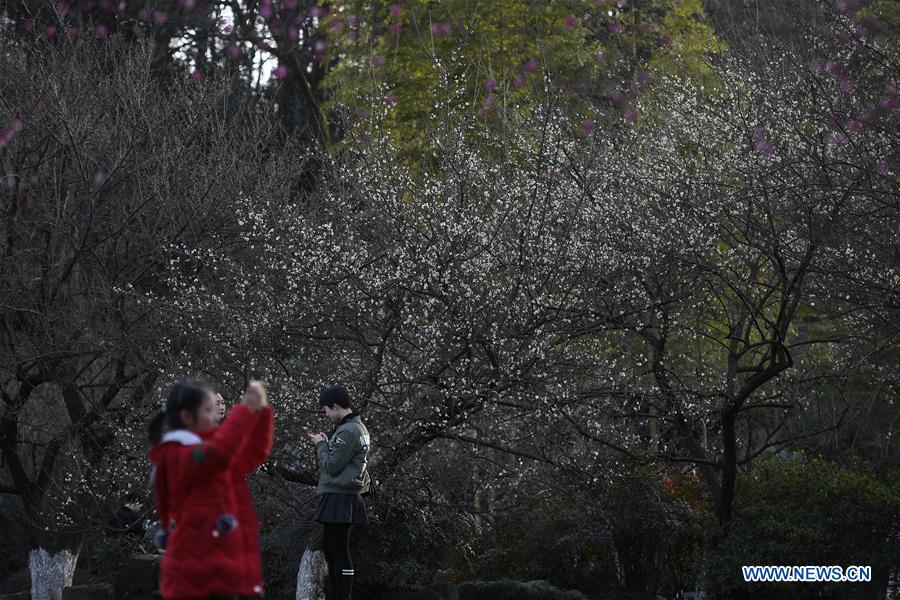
[[341, 508]]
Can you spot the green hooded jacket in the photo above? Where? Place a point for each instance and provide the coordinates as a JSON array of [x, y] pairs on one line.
[[343, 458]]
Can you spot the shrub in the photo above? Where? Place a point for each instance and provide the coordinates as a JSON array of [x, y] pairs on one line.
[[440, 591], [515, 590], [632, 536], [807, 512]]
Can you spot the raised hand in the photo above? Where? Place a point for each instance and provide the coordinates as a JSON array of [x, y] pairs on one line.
[[255, 398]]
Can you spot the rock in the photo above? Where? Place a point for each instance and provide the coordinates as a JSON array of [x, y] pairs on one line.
[[97, 591], [311, 576]]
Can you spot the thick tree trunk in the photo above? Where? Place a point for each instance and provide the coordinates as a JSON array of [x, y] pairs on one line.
[[729, 468], [50, 574]]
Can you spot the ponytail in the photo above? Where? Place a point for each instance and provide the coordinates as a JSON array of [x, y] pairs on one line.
[[187, 394], [155, 428]]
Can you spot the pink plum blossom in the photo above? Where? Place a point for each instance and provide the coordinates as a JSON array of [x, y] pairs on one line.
[[570, 22], [587, 127], [377, 60], [102, 32], [530, 65], [632, 116], [441, 29], [520, 81], [280, 72], [8, 133], [196, 75], [395, 10], [490, 84]]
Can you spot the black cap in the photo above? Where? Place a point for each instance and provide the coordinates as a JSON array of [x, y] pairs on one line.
[[336, 394]]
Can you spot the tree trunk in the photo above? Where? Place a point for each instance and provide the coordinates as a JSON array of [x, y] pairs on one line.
[[50, 574]]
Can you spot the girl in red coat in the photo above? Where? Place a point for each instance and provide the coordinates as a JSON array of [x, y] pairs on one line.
[[254, 455], [205, 553]]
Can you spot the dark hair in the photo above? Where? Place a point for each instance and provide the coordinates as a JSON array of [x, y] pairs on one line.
[[336, 394], [187, 394]]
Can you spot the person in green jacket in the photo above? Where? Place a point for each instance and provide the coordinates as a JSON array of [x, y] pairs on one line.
[[343, 478]]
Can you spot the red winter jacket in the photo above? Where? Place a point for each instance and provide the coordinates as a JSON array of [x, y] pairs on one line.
[[255, 453], [194, 488]]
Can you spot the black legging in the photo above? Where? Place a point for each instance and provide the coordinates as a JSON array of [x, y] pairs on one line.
[[336, 545]]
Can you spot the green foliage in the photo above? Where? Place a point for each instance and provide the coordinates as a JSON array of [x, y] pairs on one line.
[[281, 548], [515, 590], [440, 591], [489, 590], [807, 512], [106, 556], [630, 534], [487, 57], [404, 541], [692, 41]]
